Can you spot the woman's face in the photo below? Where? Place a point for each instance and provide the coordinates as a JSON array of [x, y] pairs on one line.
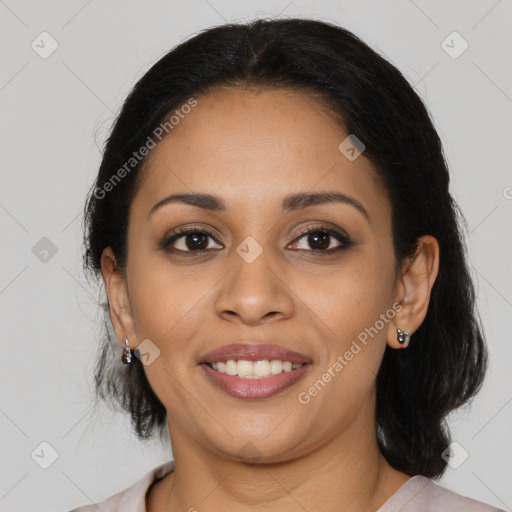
[[259, 279]]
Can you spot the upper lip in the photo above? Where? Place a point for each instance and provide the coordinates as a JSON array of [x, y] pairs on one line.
[[253, 352]]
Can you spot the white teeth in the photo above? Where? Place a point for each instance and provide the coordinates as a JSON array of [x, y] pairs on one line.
[[276, 366], [244, 368], [254, 369], [231, 367], [261, 368]]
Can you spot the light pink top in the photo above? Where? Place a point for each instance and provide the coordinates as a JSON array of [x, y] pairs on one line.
[[418, 494]]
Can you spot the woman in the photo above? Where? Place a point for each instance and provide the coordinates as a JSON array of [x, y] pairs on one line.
[[286, 277]]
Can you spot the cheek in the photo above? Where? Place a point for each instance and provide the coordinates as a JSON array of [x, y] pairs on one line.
[[352, 298], [353, 312], [165, 301], [348, 313]]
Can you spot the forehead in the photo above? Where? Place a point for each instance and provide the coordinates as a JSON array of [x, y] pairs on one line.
[[256, 145]]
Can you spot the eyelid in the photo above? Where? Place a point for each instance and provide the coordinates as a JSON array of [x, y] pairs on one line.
[[324, 227], [191, 228]]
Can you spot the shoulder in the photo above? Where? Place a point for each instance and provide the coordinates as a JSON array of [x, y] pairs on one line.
[[133, 498], [420, 494]]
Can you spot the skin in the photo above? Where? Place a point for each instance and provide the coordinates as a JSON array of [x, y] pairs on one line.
[[252, 147]]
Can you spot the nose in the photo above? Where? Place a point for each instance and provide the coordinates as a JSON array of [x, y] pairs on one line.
[[254, 292]]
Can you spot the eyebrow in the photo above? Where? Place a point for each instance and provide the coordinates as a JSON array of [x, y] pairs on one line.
[[291, 202]]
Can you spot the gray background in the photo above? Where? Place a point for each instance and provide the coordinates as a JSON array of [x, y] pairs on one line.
[[56, 113]]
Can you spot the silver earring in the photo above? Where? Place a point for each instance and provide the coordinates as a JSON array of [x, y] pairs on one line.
[[127, 355], [403, 338]]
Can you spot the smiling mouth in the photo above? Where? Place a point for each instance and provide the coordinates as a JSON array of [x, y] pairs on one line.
[[245, 382], [254, 370], [260, 369]]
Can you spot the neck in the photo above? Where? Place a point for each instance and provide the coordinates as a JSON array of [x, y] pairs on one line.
[[347, 472]]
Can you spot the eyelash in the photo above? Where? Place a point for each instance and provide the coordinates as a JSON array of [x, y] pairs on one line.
[[344, 239]]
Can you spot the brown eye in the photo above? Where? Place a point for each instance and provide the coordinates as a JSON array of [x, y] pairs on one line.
[[189, 240], [323, 240]]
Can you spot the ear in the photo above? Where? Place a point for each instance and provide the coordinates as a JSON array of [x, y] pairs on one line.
[[413, 287], [119, 303]]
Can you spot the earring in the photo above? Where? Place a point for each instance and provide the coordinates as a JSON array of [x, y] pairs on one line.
[[127, 355], [403, 338]]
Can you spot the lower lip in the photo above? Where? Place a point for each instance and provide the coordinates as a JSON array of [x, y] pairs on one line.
[[254, 388]]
